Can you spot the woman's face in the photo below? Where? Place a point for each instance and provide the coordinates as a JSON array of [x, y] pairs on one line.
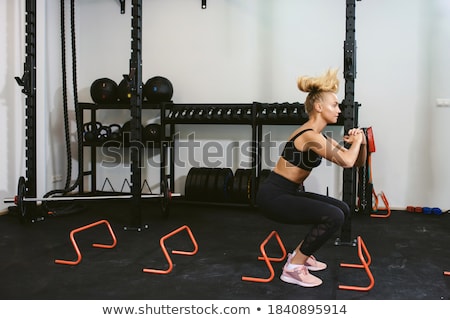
[[328, 107]]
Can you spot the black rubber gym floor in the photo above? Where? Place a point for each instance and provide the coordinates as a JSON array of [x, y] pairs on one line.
[[409, 251]]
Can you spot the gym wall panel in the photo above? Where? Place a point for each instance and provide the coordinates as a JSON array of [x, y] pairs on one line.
[[393, 84], [438, 50]]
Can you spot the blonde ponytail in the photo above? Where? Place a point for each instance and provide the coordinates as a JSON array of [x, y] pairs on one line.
[[315, 86], [328, 82]]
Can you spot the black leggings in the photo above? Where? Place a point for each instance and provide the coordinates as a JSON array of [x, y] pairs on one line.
[[284, 201]]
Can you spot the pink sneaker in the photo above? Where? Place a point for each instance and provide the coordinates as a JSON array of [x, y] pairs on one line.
[[289, 258], [301, 277], [311, 263], [314, 265]]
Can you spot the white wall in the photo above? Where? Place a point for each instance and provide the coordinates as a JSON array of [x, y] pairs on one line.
[[240, 51]]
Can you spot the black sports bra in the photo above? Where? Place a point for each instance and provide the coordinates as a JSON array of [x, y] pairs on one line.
[[306, 160]]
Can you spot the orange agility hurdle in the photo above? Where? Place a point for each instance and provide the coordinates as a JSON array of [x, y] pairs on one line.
[[95, 245], [386, 208], [365, 265], [267, 259], [446, 273], [166, 254]]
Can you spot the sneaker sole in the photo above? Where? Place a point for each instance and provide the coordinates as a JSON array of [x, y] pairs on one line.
[[300, 283]]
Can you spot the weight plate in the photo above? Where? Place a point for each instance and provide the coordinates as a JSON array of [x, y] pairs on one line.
[[197, 188], [241, 185], [250, 185], [211, 184], [202, 185], [194, 191], [21, 204], [236, 185], [188, 192], [224, 185]]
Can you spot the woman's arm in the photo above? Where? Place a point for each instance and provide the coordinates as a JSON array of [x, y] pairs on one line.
[[362, 156], [331, 150]]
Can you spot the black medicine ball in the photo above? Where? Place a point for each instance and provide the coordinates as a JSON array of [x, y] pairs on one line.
[[104, 90], [124, 91], [158, 89]]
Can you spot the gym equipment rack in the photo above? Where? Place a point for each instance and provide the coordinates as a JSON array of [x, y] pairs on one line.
[[27, 185], [135, 78], [28, 82], [350, 111]]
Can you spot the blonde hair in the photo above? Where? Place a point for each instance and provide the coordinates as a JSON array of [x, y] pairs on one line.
[[315, 86]]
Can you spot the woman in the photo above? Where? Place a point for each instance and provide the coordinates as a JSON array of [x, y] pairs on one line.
[[282, 196]]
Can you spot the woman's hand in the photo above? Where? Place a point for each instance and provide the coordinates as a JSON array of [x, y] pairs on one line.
[[355, 135]]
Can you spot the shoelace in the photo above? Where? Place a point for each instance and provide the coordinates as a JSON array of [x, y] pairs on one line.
[[307, 263], [302, 269]]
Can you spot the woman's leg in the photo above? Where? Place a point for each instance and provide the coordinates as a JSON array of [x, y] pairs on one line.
[[326, 214], [329, 216], [282, 202]]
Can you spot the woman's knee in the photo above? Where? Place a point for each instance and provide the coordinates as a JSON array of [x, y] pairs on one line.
[[337, 218]]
